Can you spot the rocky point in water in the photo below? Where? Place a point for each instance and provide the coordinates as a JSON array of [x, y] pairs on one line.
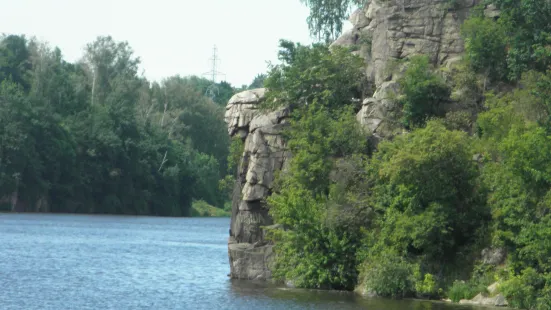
[[264, 154]]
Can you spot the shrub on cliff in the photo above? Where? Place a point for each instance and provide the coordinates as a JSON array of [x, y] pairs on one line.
[[427, 193], [485, 46], [314, 74], [429, 207], [423, 93], [517, 41], [317, 250]]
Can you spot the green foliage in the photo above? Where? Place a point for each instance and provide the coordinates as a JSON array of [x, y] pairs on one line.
[[529, 34], [200, 208], [236, 152], [326, 17], [458, 120], [485, 46], [461, 290], [481, 277], [514, 133], [95, 137], [520, 289], [426, 191], [14, 60], [258, 81], [390, 276], [323, 221], [424, 93], [425, 286], [518, 41], [317, 250], [314, 74]]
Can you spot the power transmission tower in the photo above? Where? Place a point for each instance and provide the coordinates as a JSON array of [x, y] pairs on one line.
[[212, 90]]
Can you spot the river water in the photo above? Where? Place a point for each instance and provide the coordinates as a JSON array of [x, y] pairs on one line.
[[55, 262]]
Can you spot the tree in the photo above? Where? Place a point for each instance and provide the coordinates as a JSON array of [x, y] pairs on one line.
[[318, 246], [94, 137], [322, 223], [529, 35], [258, 81], [107, 60], [486, 46], [14, 60], [326, 17], [314, 74]]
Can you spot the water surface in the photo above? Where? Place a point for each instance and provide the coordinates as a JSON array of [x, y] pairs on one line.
[[55, 262]]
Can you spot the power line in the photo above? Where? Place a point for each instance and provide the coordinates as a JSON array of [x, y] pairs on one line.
[[214, 73], [212, 90]]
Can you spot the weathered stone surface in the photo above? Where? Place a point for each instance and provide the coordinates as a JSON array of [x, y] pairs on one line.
[[253, 96], [264, 154], [376, 111], [498, 301], [491, 11], [399, 29], [402, 28], [358, 19], [249, 262], [493, 256], [241, 110], [493, 299], [348, 38]]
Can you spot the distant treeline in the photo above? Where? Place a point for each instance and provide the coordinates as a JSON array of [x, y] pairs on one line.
[[96, 137]]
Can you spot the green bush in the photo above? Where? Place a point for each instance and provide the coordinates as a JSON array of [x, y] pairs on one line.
[[520, 290], [389, 276], [461, 290], [201, 208], [314, 74], [528, 32], [425, 187], [234, 156], [425, 286], [459, 120], [485, 46], [317, 250], [423, 93]]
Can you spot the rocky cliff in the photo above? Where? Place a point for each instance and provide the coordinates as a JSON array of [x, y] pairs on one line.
[[384, 32], [264, 154], [388, 31]]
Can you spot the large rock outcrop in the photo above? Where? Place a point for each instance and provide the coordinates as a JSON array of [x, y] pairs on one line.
[[387, 31], [264, 154], [384, 32]]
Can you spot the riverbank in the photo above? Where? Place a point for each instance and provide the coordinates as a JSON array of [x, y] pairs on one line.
[[492, 299], [200, 208]]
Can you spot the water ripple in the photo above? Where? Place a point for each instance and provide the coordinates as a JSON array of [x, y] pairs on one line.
[[56, 262]]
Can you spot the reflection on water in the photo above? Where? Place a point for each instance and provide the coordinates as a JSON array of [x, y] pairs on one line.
[[57, 262], [319, 299]]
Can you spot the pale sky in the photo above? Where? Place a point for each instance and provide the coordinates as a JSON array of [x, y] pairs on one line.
[[170, 36]]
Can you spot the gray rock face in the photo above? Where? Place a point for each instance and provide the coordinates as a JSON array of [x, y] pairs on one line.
[[495, 299], [493, 256], [398, 29], [498, 301], [375, 111], [264, 154]]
